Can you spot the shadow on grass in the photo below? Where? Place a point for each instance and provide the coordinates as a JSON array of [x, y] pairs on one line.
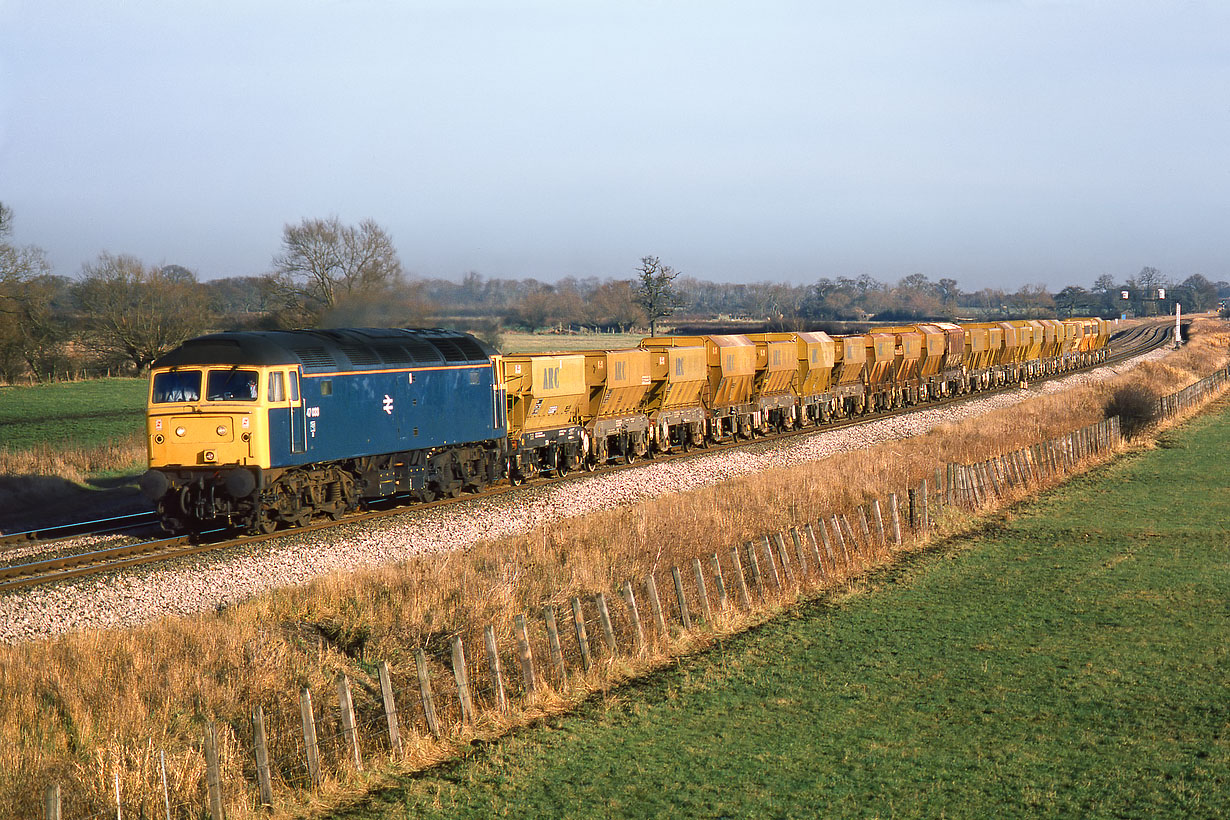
[[30, 502]]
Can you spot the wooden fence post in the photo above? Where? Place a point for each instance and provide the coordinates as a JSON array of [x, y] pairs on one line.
[[704, 594], [604, 617], [260, 743], [638, 634], [655, 605], [754, 563], [390, 708], [847, 534], [524, 654], [768, 554], [461, 676], [309, 736], [864, 527], [493, 664], [835, 526], [166, 793], [993, 475], [924, 517], [51, 803], [911, 494], [684, 615], [716, 567], [429, 702], [213, 774], [784, 556], [815, 547], [345, 705], [895, 516], [744, 599], [553, 645], [800, 556], [877, 515], [578, 620]]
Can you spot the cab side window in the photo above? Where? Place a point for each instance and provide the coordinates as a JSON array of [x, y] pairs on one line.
[[294, 385], [276, 390]]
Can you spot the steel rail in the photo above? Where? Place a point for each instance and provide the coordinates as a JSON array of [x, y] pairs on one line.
[[1134, 342]]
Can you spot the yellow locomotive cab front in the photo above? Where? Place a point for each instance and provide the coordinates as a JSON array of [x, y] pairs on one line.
[[205, 417]]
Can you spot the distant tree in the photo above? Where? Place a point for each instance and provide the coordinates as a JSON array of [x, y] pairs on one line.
[[1149, 280], [949, 293], [1072, 300], [134, 313], [324, 262], [1105, 284], [655, 291], [33, 333], [613, 304], [547, 306], [1203, 293]]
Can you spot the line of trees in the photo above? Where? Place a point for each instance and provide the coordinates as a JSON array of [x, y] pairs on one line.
[[118, 314]]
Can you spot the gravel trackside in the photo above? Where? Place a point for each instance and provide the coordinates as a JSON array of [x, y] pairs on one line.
[[215, 580]]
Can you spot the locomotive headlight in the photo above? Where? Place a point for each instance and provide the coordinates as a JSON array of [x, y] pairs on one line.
[[222, 429], [180, 431]]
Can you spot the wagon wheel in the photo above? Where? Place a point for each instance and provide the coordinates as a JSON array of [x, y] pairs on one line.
[[516, 478], [589, 465]]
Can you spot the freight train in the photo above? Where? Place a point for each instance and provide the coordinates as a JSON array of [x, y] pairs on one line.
[[260, 430]]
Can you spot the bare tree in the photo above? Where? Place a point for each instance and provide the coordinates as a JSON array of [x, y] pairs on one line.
[[33, 339], [324, 262], [613, 304], [136, 313], [656, 291]]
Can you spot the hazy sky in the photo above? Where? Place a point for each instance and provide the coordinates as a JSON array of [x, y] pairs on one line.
[[994, 141]]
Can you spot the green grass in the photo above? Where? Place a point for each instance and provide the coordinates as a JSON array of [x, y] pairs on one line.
[[71, 414], [1069, 661]]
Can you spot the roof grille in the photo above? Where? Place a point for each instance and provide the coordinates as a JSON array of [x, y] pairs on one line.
[[314, 356], [360, 355]]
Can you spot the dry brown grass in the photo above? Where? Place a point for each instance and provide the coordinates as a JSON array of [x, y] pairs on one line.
[[75, 463], [76, 709]]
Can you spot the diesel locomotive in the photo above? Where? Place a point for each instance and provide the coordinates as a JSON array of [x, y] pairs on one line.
[[261, 430]]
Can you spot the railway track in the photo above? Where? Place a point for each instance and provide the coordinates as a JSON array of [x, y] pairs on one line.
[[97, 526], [1127, 344]]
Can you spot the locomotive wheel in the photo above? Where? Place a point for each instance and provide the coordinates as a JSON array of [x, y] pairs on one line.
[[265, 523]]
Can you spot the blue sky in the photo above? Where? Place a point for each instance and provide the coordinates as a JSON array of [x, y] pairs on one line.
[[997, 142]]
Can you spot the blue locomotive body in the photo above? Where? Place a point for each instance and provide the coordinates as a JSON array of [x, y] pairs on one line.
[[263, 428]]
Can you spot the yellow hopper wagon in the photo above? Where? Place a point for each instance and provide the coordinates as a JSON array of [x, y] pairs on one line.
[[678, 377], [728, 398], [616, 424], [850, 359], [907, 365], [880, 387], [814, 381], [777, 364], [547, 396]]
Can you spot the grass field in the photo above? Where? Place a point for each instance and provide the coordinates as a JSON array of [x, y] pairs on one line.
[[71, 414], [551, 342], [1069, 661]]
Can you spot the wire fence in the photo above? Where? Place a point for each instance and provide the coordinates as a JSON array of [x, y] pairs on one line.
[[457, 685]]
